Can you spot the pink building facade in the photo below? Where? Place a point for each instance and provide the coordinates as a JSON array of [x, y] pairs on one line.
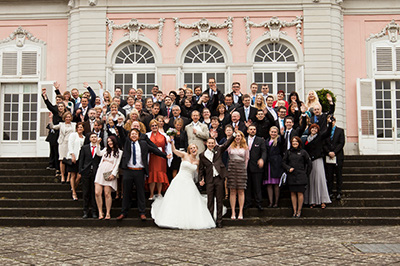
[[350, 47]]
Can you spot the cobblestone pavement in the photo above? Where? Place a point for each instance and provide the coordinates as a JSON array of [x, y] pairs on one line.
[[226, 246]]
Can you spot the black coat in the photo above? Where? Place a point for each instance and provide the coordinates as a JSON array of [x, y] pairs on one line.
[[274, 159], [252, 114], [321, 120], [86, 161], [336, 144], [301, 162], [315, 147], [257, 151]]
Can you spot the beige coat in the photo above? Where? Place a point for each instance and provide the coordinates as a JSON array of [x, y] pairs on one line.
[[198, 138]]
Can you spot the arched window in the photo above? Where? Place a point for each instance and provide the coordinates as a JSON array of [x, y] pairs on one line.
[[134, 67], [275, 65], [274, 52], [135, 54], [201, 62]]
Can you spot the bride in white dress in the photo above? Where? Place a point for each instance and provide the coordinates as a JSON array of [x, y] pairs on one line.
[[183, 207]]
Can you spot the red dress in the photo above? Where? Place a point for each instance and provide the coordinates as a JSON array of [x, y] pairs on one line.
[[157, 164]]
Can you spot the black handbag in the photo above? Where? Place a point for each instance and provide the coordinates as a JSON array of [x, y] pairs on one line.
[[67, 161]]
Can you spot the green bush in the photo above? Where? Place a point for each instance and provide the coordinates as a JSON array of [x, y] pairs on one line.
[[322, 99]]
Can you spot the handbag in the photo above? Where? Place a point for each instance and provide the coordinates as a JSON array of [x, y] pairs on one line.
[[282, 182], [67, 161], [106, 175]]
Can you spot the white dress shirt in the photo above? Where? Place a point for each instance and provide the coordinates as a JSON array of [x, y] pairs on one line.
[[210, 156], [139, 162]]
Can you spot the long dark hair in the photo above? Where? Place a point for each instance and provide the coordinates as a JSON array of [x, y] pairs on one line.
[[114, 149]]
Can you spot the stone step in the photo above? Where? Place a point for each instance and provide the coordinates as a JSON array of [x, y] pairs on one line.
[[354, 185], [371, 170], [26, 172], [253, 221], [24, 159], [24, 165], [371, 163], [371, 177], [372, 193], [252, 212], [283, 202], [388, 157], [29, 179]]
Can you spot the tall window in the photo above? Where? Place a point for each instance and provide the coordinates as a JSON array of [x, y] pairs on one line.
[[275, 65], [135, 68], [201, 62], [19, 112]]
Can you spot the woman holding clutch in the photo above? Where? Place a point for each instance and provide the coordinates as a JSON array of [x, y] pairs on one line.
[[106, 176]]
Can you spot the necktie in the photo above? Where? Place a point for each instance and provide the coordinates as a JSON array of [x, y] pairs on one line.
[[246, 110], [93, 147], [250, 143], [168, 111], [133, 153]]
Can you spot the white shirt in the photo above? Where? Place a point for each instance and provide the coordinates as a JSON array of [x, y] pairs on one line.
[[288, 138], [139, 162], [210, 156], [91, 122], [250, 141]]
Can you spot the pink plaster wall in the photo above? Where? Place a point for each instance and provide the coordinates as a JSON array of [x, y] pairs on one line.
[[55, 34], [356, 31], [239, 49], [168, 82]]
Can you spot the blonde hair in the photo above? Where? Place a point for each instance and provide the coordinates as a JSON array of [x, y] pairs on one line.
[[242, 143], [312, 103], [190, 145], [275, 141], [262, 106]]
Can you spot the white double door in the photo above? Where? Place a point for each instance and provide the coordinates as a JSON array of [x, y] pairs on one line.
[[379, 116], [23, 120]]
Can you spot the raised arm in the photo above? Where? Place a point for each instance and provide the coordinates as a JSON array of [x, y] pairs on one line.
[[178, 153]]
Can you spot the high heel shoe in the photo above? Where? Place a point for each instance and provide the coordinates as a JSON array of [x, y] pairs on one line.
[[240, 217], [101, 216], [323, 206], [298, 215], [74, 197], [108, 217], [233, 217]]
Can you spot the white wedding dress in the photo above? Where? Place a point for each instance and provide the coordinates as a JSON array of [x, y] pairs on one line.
[[182, 207]]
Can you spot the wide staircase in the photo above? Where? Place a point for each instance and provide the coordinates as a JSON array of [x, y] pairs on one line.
[[32, 196]]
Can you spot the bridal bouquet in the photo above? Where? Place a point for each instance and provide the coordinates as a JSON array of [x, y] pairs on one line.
[[171, 132]]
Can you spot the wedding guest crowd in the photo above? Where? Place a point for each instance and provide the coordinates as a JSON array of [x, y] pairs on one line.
[[104, 142]]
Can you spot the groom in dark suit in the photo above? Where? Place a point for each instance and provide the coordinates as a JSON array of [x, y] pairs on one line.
[[136, 168], [212, 173], [88, 164], [255, 167], [334, 148]]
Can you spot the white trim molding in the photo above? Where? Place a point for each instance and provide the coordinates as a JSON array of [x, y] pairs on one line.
[[273, 27], [20, 35], [391, 29], [204, 27], [134, 26]]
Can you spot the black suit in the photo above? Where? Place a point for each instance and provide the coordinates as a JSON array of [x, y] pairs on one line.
[[219, 95], [252, 113], [87, 168], [136, 177], [255, 173], [233, 107], [293, 133], [336, 145], [239, 101]]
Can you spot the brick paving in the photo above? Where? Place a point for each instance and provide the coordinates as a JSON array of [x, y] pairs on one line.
[[249, 245]]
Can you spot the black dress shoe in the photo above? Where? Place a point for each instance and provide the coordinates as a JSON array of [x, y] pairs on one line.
[[339, 196], [219, 225], [260, 208], [85, 215], [95, 215]]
